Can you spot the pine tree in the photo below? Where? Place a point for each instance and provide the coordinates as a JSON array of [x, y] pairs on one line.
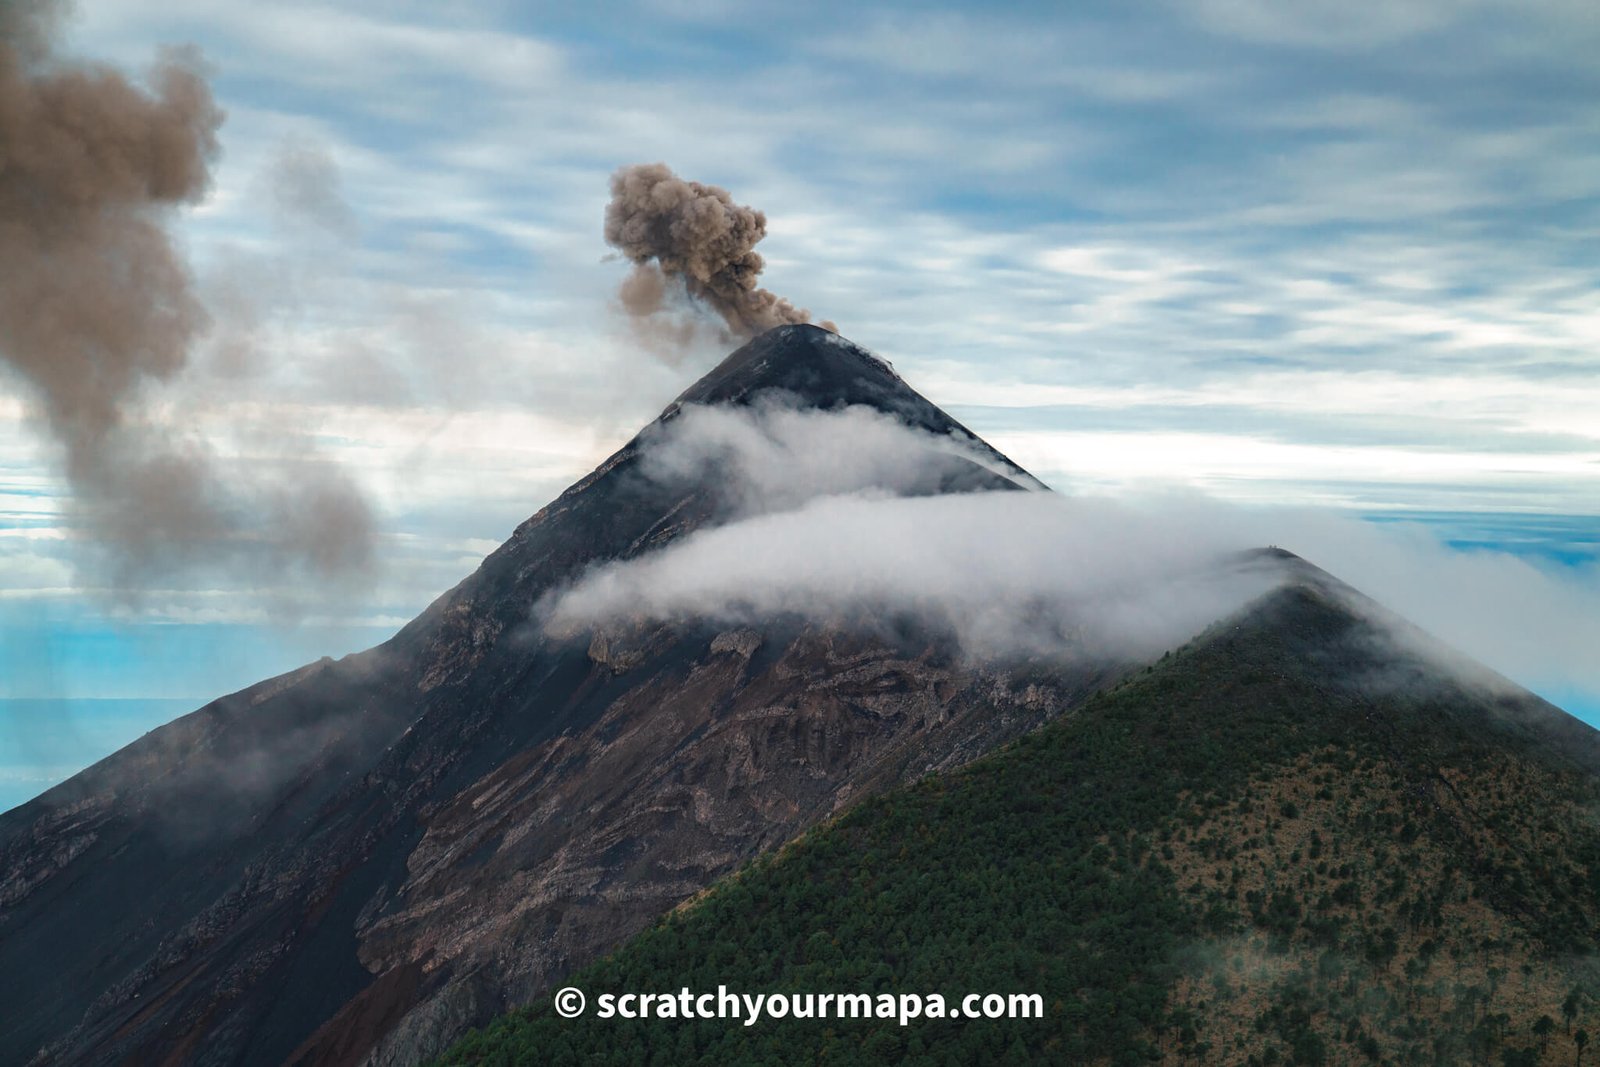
[[1542, 1029]]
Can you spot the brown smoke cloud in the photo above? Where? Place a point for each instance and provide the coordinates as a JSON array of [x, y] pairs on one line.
[[98, 311], [686, 233]]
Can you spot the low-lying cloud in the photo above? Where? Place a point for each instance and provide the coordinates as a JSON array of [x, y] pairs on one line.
[[1005, 574], [844, 517], [771, 457], [823, 530]]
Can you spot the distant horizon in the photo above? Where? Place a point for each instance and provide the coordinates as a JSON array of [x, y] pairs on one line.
[[64, 735]]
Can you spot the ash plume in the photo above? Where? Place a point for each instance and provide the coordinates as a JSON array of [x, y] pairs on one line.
[[684, 233], [98, 312]]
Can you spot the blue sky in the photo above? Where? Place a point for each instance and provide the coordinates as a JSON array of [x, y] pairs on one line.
[[1334, 259]]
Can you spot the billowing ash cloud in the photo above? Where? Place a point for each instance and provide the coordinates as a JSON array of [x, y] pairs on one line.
[[98, 311], [684, 233]]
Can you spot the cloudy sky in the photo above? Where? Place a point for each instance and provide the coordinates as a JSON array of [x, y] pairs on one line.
[[1309, 254]]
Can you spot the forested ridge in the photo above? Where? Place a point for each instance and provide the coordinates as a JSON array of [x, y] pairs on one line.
[[1256, 851]]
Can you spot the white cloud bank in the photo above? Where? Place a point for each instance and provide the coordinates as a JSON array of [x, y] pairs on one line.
[[770, 457], [1005, 573], [1035, 572]]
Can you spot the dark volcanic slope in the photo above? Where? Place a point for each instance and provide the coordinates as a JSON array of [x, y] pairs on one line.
[[363, 857], [1296, 840]]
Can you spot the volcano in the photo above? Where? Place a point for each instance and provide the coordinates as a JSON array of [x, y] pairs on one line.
[[358, 861], [364, 856]]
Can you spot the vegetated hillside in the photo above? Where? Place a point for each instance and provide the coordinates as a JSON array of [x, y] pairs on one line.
[[1296, 840]]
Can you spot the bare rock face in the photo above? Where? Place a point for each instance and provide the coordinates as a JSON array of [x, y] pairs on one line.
[[359, 860], [583, 840]]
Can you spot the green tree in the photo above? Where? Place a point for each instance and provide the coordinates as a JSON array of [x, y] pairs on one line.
[[1542, 1029]]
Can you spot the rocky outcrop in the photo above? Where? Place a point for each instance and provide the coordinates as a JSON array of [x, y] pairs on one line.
[[573, 845]]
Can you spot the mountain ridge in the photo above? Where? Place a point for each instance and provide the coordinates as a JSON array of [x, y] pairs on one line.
[[355, 862], [1251, 852]]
